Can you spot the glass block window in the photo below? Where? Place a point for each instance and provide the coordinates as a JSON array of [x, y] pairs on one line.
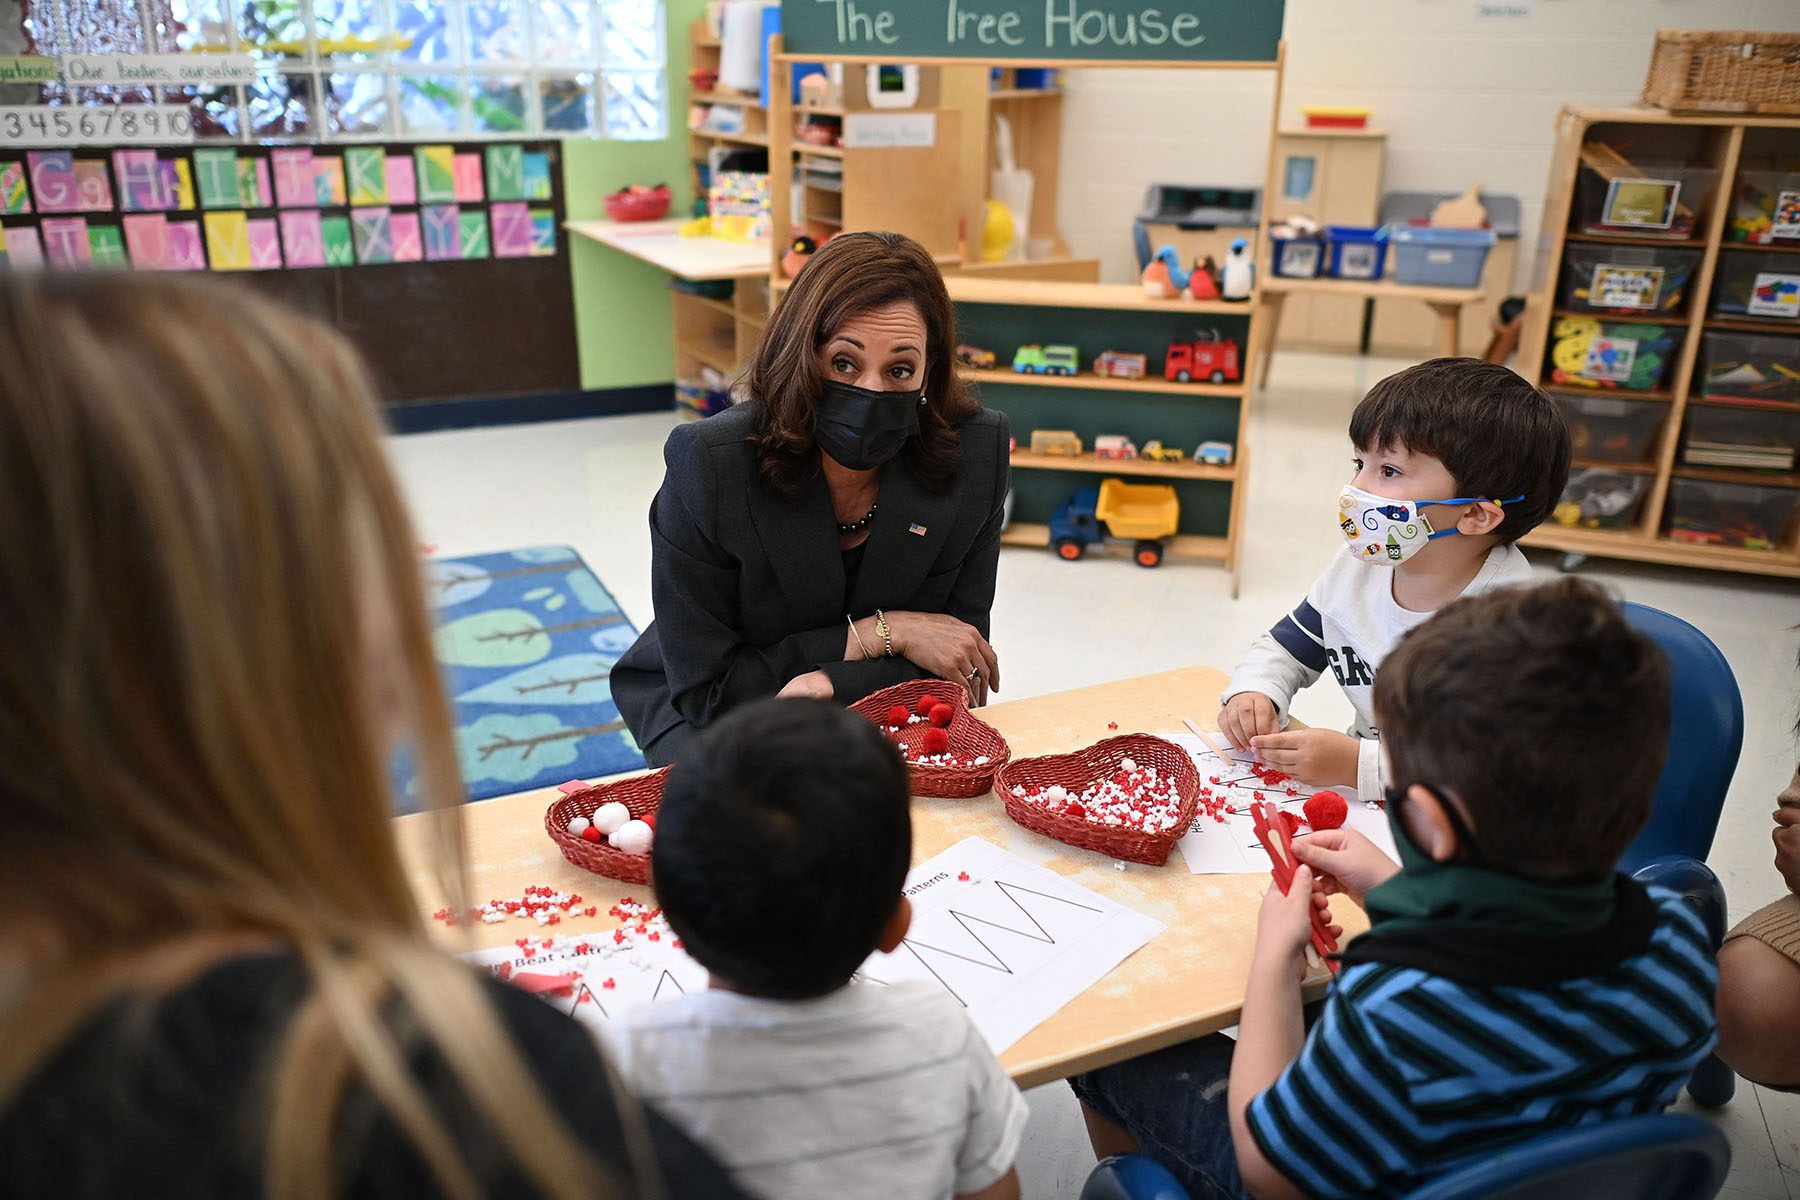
[[374, 70]]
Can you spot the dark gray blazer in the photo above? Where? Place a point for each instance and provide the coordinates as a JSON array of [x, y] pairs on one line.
[[749, 588]]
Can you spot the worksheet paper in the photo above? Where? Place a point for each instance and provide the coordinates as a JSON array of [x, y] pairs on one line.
[[1230, 848], [611, 977], [1009, 941]]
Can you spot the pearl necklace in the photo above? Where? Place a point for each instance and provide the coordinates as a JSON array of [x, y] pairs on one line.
[[858, 526]]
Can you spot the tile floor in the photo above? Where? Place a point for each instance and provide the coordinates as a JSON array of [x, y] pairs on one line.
[[588, 484]]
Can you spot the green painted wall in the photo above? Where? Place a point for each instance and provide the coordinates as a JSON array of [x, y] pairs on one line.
[[622, 320]]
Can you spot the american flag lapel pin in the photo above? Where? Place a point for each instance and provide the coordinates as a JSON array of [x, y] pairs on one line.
[[916, 529]]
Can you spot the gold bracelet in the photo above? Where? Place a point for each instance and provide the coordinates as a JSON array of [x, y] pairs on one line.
[[881, 627], [851, 621]]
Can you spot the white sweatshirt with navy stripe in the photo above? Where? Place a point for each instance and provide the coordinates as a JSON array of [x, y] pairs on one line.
[[1348, 622]]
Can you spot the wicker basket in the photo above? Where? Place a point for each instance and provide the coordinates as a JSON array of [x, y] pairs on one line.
[[970, 736], [1084, 768], [1705, 70], [640, 794]]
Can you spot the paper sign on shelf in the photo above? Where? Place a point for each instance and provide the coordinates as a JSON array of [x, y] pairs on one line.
[[1775, 295], [163, 70], [891, 130], [1620, 286]]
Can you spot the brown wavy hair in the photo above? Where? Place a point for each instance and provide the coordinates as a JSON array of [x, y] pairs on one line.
[[849, 275]]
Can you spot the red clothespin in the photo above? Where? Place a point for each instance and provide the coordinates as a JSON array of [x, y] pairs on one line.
[[1272, 832]]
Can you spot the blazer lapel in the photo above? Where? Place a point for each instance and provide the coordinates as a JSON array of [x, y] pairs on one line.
[[908, 532], [801, 543]]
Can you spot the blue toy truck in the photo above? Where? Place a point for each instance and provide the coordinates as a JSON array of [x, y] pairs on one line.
[[1144, 514]]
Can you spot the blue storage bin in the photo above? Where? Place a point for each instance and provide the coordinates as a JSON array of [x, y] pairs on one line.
[[1440, 257], [1355, 251], [1298, 257]]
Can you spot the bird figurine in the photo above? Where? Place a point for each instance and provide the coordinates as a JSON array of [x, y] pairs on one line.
[[1163, 278], [798, 251], [1239, 275], [1203, 283]]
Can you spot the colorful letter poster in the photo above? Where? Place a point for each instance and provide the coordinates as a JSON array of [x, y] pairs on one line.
[[265, 244], [218, 172], [178, 182], [328, 178], [23, 250], [340, 250], [466, 169], [512, 230], [186, 251], [367, 168], [474, 234], [296, 183], [93, 188], [253, 183], [107, 246], [543, 232], [537, 176], [66, 241], [14, 196], [506, 172], [408, 244], [402, 186], [442, 238], [53, 180], [437, 174], [228, 241], [373, 235], [147, 241], [302, 238]]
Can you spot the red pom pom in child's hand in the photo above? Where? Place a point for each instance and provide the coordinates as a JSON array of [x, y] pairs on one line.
[[937, 741], [897, 715], [926, 704], [590, 834], [941, 715], [1326, 810], [1290, 822]]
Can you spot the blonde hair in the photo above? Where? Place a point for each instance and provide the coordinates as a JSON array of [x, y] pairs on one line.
[[197, 530]]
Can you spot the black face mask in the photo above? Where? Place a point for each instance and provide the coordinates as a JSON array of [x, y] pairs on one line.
[[862, 429]]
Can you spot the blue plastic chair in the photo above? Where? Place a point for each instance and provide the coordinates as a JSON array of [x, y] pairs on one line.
[[1132, 1177], [1666, 1156]]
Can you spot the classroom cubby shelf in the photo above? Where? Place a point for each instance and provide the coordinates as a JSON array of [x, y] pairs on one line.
[[1112, 466], [1185, 545], [1087, 381]]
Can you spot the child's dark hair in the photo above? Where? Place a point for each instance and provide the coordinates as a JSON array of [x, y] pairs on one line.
[[1543, 712], [1496, 434], [782, 846]]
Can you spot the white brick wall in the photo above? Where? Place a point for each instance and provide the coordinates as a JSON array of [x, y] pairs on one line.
[[1463, 100]]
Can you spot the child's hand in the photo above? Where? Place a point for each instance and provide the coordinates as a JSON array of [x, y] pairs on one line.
[[1345, 861], [1284, 926], [1246, 715], [1316, 757]]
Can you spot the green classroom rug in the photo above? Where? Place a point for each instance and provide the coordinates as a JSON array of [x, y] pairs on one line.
[[527, 640]]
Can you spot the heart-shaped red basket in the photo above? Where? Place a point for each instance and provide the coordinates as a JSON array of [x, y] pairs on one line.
[[640, 795], [970, 737], [1081, 769]]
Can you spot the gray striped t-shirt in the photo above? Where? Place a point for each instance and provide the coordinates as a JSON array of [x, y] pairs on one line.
[[884, 1092]]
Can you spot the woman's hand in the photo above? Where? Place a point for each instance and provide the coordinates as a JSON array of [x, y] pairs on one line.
[[1345, 861], [948, 648], [1787, 845], [814, 685]]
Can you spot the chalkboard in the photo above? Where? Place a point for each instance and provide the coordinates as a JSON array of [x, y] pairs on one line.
[[1114, 31]]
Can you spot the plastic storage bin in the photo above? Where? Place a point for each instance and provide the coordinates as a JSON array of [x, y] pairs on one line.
[[1440, 257], [1298, 257], [1600, 499], [1741, 439], [1730, 514], [1647, 198], [1753, 368], [1762, 286], [1590, 352], [1627, 279], [1766, 208], [1610, 430], [1355, 251]]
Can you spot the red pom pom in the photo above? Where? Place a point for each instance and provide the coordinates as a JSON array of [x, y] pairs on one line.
[[937, 741], [941, 715], [926, 704], [1074, 809], [897, 715], [649, 819], [1291, 822], [590, 834], [1326, 810]]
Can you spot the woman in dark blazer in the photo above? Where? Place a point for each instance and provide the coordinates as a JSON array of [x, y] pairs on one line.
[[837, 531]]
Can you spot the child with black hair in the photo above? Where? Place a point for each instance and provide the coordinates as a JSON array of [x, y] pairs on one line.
[[782, 847], [1456, 459]]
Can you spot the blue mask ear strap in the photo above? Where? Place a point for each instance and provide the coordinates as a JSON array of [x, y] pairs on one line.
[[1468, 500]]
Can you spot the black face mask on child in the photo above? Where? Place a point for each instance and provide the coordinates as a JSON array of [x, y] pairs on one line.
[[861, 428]]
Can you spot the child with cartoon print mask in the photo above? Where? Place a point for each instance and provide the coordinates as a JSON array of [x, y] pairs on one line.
[[1454, 460]]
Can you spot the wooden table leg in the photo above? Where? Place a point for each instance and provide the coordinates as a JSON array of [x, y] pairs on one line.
[[1271, 303], [1449, 329]]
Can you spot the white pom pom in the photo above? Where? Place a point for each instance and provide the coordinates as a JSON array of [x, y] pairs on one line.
[[1056, 792], [633, 837], [577, 826], [1128, 765], [609, 817]]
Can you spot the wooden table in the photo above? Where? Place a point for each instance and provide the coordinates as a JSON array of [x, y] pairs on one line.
[[660, 244], [1187, 982], [1446, 303]]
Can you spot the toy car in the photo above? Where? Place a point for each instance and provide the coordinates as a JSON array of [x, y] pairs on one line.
[[1155, 451], [1114, 445], [1208, 357], [1119, 365], [1055, 441], [1213, 454], [976, 357], [1144, 514], [1046, 360]]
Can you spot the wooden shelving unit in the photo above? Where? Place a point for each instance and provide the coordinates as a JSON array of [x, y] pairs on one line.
[[1725, 143]]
